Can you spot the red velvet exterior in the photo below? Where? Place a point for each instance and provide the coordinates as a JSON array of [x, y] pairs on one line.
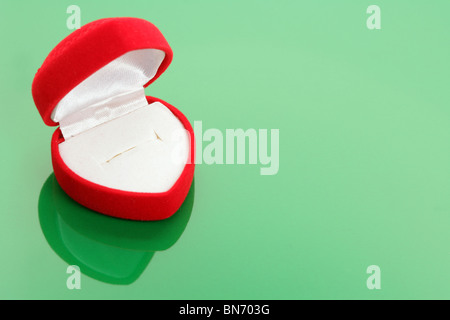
[[73, 60], [88, 49], [125, 204]]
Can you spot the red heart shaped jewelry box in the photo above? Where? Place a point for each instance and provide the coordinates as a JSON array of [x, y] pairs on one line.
[[116, 151]]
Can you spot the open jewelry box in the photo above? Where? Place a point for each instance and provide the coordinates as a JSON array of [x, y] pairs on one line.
[[116, 151]]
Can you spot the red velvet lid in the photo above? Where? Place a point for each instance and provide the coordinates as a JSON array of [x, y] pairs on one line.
[[88, 49]]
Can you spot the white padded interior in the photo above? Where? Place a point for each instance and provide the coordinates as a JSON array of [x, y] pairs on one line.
[[110, 92], [142, 151], [113, 137]]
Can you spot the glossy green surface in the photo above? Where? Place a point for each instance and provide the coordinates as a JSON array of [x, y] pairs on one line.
[[364, 156], [108, 249]]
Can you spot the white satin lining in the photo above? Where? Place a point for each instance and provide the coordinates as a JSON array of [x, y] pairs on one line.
[[111, 92]]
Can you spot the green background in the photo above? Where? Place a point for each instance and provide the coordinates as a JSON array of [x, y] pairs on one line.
[[364, 152]]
